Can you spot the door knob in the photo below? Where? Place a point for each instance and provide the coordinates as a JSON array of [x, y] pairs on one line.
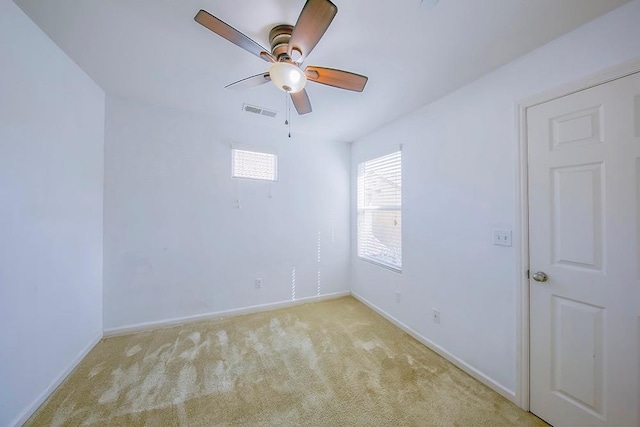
[[540, 276]]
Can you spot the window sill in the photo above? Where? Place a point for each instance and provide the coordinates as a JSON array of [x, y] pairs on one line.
[[381, 264]]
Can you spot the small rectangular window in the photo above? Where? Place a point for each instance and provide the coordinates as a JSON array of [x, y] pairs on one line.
[[253, 164], [380, 211]]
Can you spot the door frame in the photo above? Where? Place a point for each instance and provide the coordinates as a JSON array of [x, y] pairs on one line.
[[607, 75]]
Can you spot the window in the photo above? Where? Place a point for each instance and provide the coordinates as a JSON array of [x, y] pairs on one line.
[[380, 211], [254, 163]]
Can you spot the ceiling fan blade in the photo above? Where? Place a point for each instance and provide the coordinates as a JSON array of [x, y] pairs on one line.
[[226, 31], [250, 82], [301, 102], [315, 18], [336, 78]]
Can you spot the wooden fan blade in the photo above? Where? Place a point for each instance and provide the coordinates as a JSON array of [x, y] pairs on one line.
[[226, 31], [301, 102], [336, 78], [315, 18], [250, 82]]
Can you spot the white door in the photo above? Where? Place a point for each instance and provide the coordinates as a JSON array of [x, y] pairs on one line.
[[584, 194]]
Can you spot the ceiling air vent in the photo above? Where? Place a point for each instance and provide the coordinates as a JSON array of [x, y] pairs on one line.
[[258, 110]]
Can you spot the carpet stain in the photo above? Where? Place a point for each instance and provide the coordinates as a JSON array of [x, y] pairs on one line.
[[121, 379], [96, 370], [63, 412], [329, 363], [133, 350]]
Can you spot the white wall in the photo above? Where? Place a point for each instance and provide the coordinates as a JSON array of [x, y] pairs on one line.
[[51, 187], [176, 245], [460, 169]]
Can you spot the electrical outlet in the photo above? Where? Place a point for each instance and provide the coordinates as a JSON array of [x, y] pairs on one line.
[[436, 316], [398, 296], [259, 283]]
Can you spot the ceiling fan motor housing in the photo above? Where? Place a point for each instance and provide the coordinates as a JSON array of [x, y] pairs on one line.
[[279, 37]]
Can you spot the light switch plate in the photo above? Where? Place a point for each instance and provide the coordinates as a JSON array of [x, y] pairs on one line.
[[502, 237]]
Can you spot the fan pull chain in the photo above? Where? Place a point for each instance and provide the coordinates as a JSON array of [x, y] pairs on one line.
[[288, 107]]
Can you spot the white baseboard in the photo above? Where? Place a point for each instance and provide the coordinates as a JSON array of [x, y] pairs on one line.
[[31, 409], [480, 376], [124, 330]]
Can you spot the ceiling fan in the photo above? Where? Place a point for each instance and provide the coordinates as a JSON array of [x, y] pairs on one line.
[[290, 46]]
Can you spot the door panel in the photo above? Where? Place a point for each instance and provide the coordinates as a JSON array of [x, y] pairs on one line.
[[577, 216], [584, 193], [578, 350], [582, 127]]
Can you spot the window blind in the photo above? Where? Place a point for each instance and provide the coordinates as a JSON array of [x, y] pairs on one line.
[[379, 189], [254, 165]]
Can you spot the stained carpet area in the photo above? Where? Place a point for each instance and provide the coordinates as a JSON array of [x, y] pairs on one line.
[[329, 363]]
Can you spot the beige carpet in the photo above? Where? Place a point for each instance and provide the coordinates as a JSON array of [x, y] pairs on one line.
[[332, 363]]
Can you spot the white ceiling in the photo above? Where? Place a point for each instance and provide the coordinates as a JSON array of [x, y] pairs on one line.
[[153, 51]]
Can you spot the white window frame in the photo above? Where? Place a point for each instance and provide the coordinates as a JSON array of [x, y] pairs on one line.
[[256, 150], [367, 207]]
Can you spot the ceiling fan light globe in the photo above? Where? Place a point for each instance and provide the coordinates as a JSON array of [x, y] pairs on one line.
[[287, 77]]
